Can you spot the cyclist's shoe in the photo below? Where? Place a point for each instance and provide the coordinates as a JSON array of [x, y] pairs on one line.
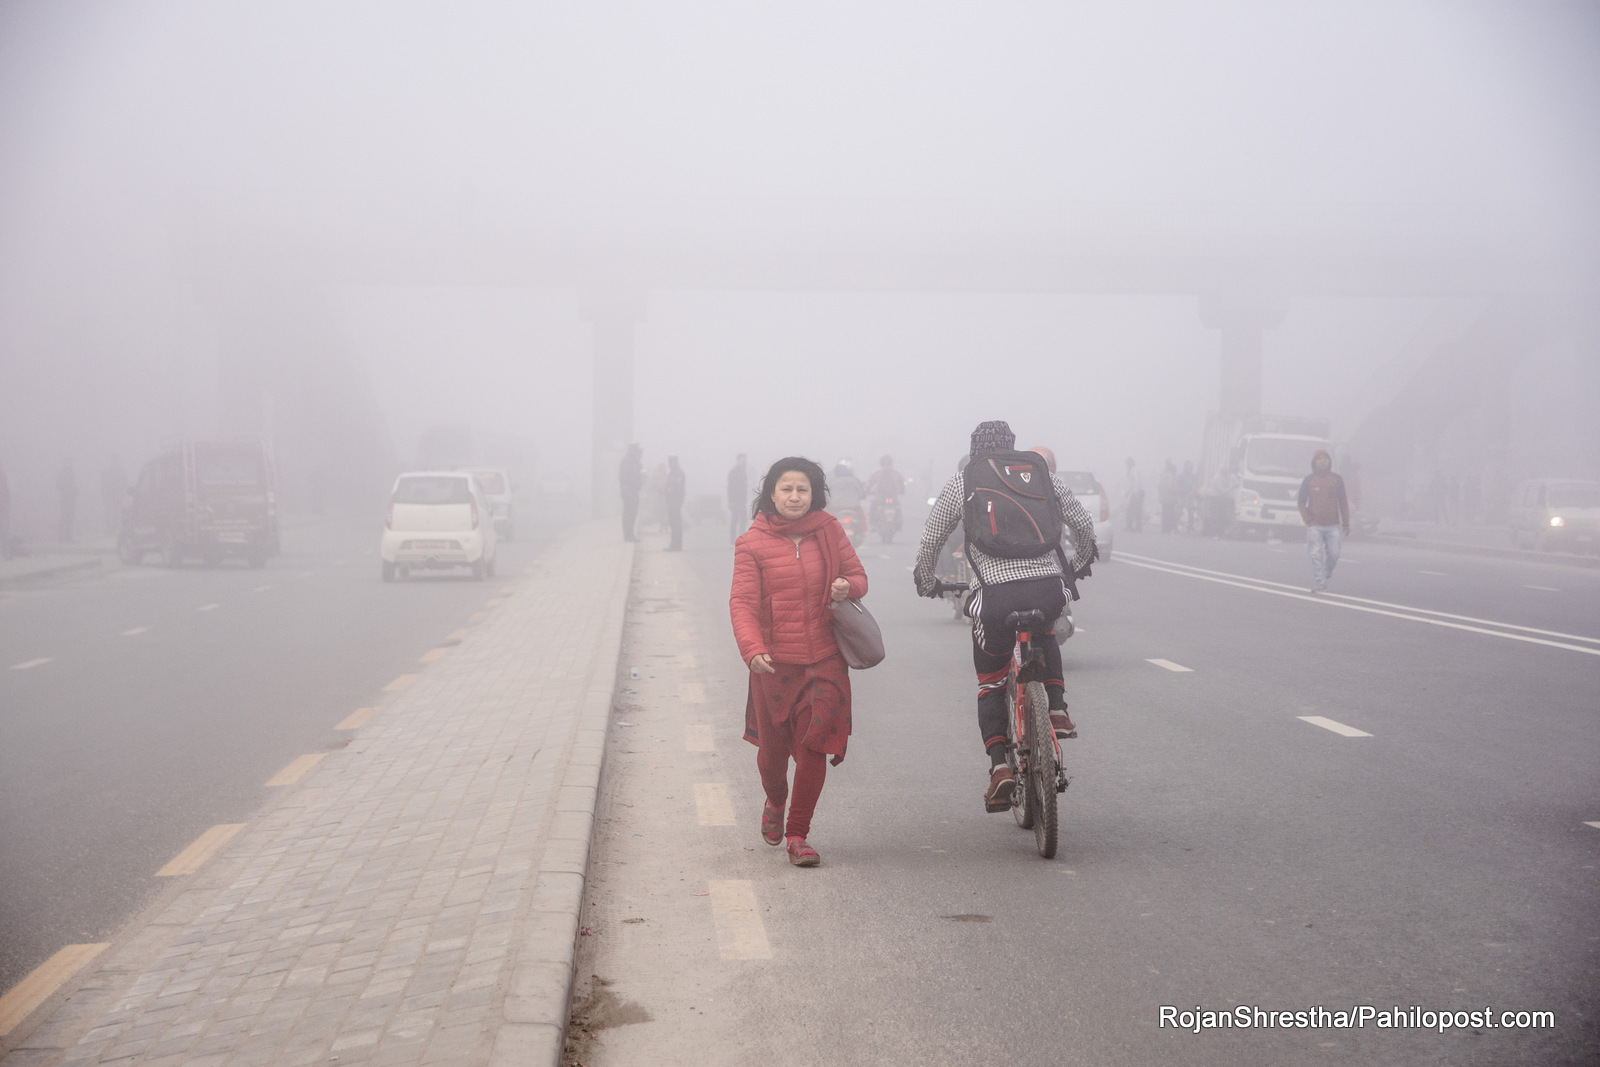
[[1002, 788], [1061, 723], [771, 823], [802, 854]]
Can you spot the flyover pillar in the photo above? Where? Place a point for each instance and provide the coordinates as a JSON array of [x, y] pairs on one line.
[[1242, 318], [615, 316]]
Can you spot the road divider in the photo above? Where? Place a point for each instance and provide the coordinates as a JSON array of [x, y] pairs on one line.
[[1508, 631], [205, 846], [1337, 727], [22, 999], [740, 933], [296, 769], [357, 719]]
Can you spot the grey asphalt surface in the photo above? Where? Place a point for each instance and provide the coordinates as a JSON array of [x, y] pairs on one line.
[[121, 750], [1216, 850]]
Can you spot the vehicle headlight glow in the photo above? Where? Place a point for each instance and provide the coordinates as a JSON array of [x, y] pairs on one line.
[[1557, 520]]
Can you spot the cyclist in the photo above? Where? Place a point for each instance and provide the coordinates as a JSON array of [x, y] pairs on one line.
[[1027, 576]]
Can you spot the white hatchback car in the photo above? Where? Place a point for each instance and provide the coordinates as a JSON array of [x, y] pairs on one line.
[[1092, 495], [437, 519], [498, 490]]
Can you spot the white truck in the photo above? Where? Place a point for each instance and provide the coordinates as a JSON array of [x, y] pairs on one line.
[[1251, 468]]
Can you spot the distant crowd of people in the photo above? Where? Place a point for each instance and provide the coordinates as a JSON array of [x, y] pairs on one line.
[[113, 488]]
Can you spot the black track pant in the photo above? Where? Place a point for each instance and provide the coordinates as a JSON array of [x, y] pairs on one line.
[[993, 640]]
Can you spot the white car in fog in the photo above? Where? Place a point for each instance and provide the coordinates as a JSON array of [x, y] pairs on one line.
[[437, 519], [1092, 495]]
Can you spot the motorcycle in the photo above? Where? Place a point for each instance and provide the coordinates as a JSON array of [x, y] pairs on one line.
[[954, 570], [886, 517], [854, 521]]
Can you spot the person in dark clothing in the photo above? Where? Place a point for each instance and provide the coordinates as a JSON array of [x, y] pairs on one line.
[[67, 490], [1325, 509], [738, 499], [673, 497], [631, 476]]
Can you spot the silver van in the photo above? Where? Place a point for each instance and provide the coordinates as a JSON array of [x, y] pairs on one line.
[[1556, 515]]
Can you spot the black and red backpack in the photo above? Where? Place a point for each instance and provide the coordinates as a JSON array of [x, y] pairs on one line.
[[1009, 505]]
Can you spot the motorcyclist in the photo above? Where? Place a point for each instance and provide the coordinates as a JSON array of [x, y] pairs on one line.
[[885, 488], [1000, 587], [844, 488]]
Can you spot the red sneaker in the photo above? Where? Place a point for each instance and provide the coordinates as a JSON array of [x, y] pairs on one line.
[[802, 854], [771, 823], [1061, 723], [1002, 788]]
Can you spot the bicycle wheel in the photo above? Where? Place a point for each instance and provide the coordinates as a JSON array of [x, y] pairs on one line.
[[1022, 805], [1041, 787]]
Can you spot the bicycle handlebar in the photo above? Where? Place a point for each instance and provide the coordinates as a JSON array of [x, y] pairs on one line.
[[941, 588]]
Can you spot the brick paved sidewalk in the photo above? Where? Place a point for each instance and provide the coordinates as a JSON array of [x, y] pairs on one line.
[[415, 899]]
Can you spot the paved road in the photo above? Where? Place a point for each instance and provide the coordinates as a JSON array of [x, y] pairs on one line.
[[1218, 850], [158, 703]]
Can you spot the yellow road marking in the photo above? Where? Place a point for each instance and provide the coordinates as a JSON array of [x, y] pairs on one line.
[[189, 860], [697, 738], [711, 804], [400, 683], [686, 659], [296, 769], [491, 602], [21, 999], [430, 655], [456, 637], [476, 616], [740, 935], [692, 693], [357, 719], [507, 591]]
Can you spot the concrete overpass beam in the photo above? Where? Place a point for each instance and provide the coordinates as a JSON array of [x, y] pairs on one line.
[[1242, 317], [615, 315]]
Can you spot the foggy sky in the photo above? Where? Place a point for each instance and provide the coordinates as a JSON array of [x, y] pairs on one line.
[[1451, 122]]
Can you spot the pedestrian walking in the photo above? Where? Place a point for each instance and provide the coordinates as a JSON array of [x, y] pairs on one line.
[[1325, 509], [113, 488], [1133, 498], [630, 475], [787, 568], [673, 495], [67, 491], [738, 498]]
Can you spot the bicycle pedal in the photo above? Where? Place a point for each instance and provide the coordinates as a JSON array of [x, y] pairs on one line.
[[992, 808]]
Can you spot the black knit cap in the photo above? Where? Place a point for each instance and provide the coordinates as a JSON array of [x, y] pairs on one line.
[[993, 437]]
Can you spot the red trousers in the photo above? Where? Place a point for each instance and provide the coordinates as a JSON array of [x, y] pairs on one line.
[[810, 768]]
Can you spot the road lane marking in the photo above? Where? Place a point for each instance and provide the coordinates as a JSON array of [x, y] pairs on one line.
[[189, 860], [1336, 727], [262, 588], [1434, 574], [1371, 607], [400, 683], [692, 693], [306, 574], [476, 616], [135, 632], [430, 655], [686, 659], [455, 638], [1542, 588], [21, 999], [1596, 825], [208, 607], [508, 590], [297, 769], [697, 738], [711, 804], [740, 934], [357, 719], [1167, 664], [30, 664], [491, 602]]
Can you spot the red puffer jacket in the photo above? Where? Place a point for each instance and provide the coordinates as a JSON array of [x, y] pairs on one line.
[[779, 603]]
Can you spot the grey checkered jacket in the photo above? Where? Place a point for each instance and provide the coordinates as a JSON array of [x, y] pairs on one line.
[[946, 516]]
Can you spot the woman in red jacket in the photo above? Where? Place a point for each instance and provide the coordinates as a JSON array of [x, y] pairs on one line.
[[793, 561]]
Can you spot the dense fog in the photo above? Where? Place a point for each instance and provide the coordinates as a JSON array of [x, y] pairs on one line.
[[835, 229]]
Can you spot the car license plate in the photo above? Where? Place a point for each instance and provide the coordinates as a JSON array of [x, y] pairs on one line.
[[431, 544]]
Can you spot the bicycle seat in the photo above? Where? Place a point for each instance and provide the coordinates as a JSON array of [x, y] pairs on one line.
[[1032, 622]]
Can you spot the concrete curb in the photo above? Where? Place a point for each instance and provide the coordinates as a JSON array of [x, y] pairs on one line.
[[46, 572], [533, 1028], [1490, 551]]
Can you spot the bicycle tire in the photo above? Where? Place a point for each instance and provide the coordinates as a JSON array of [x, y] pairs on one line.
[[1041, 785], [1021, 810]]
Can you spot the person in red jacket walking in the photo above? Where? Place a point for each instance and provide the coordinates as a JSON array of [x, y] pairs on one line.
[[793, 561]]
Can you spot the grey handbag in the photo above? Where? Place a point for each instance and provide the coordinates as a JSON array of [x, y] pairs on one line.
[[857, 633]]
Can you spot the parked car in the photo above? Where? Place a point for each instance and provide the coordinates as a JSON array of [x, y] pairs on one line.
[[206, 499], [437, 520], [498, 490], [1556, 514], [1092, 495]]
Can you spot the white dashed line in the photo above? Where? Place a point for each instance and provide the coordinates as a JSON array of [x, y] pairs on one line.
[[1336, 727], [1435, 574], [1542, 588], [306, 574], [697, 738], [208, 607], [262, 588], [135, 632], [1167, 664], [711, 804], [1596, 825], [30, 664], [740, 933]]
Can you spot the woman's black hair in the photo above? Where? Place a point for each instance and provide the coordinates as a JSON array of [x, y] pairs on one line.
[[799, 464]]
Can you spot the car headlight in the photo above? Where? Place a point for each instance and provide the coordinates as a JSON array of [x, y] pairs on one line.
[[1557, 520]]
